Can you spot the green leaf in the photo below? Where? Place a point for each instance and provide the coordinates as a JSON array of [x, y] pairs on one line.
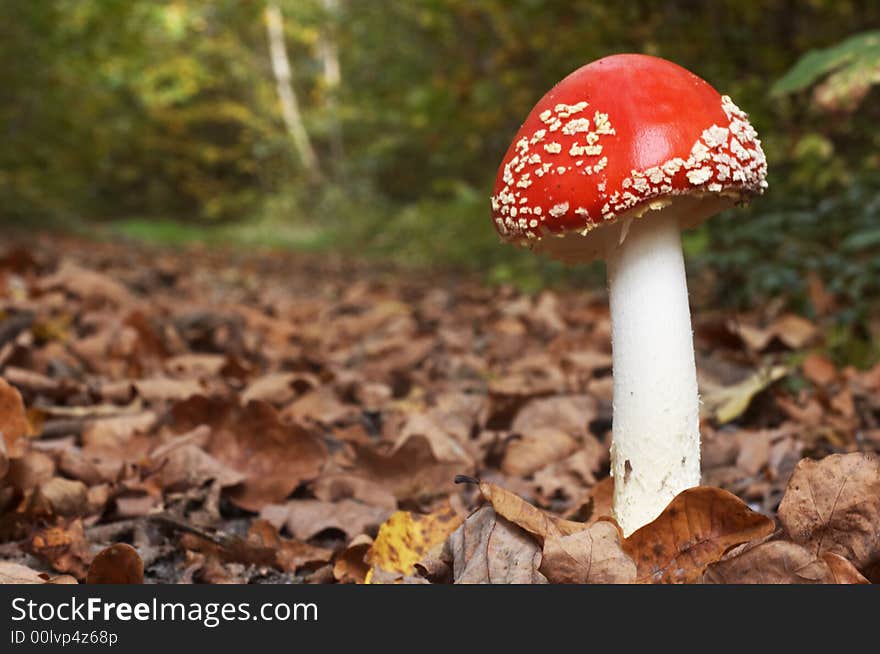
[[861, 51]]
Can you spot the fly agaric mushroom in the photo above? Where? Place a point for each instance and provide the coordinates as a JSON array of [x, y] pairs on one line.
[[612, 163]]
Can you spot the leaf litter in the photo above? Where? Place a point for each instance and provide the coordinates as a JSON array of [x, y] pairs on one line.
[[284, 419]]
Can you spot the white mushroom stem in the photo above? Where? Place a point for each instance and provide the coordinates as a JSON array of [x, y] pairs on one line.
[[655, 452]]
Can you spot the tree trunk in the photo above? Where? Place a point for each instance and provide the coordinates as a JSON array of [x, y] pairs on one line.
[[328, 53], [286, 95]]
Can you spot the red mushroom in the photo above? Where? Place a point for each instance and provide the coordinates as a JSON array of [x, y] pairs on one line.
[[612, 163]]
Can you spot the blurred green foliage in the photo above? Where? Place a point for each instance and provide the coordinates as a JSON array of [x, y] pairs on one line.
[[167, 110], [846, 71]]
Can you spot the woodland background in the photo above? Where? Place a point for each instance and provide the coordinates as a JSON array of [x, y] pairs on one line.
[[162, 120]]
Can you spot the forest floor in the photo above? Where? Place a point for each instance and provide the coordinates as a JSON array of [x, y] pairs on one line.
[[204, 415]]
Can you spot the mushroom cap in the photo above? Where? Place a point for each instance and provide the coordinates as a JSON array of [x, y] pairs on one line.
[[616, 139]]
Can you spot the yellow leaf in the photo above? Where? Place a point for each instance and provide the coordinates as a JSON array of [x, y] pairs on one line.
[[730, 402], [53, 329], [405, 538]]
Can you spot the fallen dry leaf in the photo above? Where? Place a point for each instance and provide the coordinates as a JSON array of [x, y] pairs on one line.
[[4, 459], [406, 537], [307, 518], [15, 573], [384, 577], [843, 570], [29, 471], [591, 556], [166, 389], [538, 523], [290, 555], [14, 425], [487, 549], [332, 487], [410, 471], [595, 504], [819, 369], [697, 527], [351, 565], [728, 403], [773, 562], [833, 505], [566, 480], [275, 388], [567, 413], [63, 497], [538, 448], [64, 547], [186, 465], [793, 331], [445, 446], [273, 457], [89, 285]]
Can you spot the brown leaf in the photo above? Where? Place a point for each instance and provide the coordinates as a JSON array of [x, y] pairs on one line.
[[275, 388], [381, 576], [539, 447], [89, 285], [341, 486], [411, 471], [810, 415], [793, 331], [833, 505], [435, 566], [64, 547], [819, 369], [538, 523], [843, 570], [694, 530], [167, 389], [351, 565], [823, 302], [290, 555], [773, 562], [64, 497], [530, 376], [571, 414], [15, 573], [112, 433], [754, 449], [546, 313], [307, 518], [487, 549], [189, 466], [4, 459], [117, 564], [844, 404], [183, 464], [31, 470], [13, 421], [590, 556], [587, 361], [195, 365], [320, 406], [595, 504], [569, 478], [73, 463], [444, 445], [274, 457]]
